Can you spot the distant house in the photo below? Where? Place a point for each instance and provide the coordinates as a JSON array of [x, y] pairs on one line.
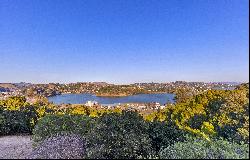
[[91, 103], [162, 107], [142, 107]]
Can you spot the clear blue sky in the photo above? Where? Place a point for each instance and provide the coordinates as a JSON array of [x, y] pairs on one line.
[[124, 41]]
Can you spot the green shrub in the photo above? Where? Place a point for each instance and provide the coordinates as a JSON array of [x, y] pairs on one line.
[[16, 116], [4, 129], [202, 149], [164, 134], [119, 136], [229, 132], [15, 122], [61, 124]]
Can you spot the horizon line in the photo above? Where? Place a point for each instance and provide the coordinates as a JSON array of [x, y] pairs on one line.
[[127, 83]]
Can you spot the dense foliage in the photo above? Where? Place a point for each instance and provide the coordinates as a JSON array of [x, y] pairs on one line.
[[202, 149], [14, 122], [119, 136], [16, 116], [52, 125], [163, 134], [113, 135], [215, 113]]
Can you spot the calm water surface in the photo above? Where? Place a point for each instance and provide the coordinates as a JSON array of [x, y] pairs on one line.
[[162, 98]]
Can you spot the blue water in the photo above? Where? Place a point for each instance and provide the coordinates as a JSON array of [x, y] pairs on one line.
[[162, 98]]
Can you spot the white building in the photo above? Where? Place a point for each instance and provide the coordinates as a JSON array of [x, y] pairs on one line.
[[91, 103], [162, 107]]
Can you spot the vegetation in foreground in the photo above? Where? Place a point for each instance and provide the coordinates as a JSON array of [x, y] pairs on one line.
[[196, 148], [214, 124]]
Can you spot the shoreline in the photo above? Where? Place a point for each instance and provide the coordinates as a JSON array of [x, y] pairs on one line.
[[104, 95], [111, 95]]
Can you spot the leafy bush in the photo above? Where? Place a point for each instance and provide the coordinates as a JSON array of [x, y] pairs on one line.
[[220, 113], [61, 124], [202, 149], [164, 134], [14, 122], [4, 129], [60, 147], [16, 116], [119, 136], [14, 103]]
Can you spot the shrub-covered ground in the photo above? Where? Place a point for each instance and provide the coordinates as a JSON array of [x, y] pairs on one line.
[[113, 135], [202, 149]]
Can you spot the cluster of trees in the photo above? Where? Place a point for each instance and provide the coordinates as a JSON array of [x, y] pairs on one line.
[[184, 94], [215, 113]]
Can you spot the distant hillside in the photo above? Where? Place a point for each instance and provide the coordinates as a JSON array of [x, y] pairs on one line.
[[8, 85], [22, 84]]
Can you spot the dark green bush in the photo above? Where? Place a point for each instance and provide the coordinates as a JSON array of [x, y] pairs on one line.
[[15, 122], [61, 124], [4, 129], [163, 134], [119, 136], [229, 132], [202, 149]]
